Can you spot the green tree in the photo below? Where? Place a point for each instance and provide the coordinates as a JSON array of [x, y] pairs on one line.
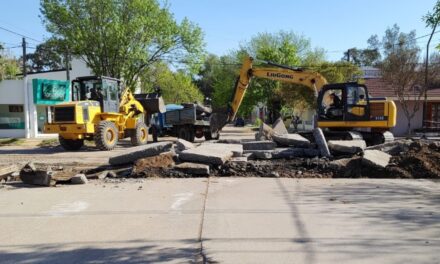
[[284, 48], [9, 66], [432, 18], [48, 56], [122, 38], [177, 87], [205, 77], [400, 69]]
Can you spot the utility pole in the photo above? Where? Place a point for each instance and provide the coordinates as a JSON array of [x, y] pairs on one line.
[[425, 102], [67, 60], [348, 55], [24, 56]]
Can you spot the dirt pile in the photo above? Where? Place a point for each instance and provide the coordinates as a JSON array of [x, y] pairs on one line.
[[422, 160]]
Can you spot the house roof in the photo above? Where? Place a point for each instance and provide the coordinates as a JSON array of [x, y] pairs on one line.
[[379, 88]]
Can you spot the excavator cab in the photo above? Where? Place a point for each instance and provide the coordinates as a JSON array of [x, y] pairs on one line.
[[344, 102], [104, 90]]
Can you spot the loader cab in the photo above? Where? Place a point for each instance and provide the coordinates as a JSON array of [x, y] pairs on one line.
[[104, 90], [344, 102]]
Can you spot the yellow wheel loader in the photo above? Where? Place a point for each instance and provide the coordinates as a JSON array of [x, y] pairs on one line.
[[99, 112]]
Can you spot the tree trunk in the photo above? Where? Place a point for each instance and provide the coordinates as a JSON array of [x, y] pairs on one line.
[[408, 130]]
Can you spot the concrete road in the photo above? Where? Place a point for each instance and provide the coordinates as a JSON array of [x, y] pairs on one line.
[[224, 220]]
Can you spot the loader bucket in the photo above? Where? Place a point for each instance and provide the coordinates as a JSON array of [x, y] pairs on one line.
[[152, 102]]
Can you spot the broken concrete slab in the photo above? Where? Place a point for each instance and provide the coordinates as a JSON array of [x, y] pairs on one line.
[[212, 154], [279, 127], [287, 153], [5, 171], [29, 174], [101, 175], [161, 161], [321, 142], [376, 158], [282, 153], [237, 149], [259, 145], [394, 147], [79, 179], [239, 160], [259, 154], [347, 146], [291, 140], [193, 168], [311, 152], [265, 132], [182, 144], [230, 141], [136, 153]]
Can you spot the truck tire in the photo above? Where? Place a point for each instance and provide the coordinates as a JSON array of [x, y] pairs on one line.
[[186, 133], [155, 133], [106, 135], [212, 135], [71, 144], [139, 135]]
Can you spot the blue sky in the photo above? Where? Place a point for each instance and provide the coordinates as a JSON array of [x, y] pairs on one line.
[[334, 25]]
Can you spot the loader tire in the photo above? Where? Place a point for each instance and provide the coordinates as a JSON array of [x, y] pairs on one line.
[[71, 144], [139, 135], [106, 135]]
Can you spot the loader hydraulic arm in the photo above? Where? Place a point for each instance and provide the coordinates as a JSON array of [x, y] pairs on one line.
[[313, 80], [128, 105]]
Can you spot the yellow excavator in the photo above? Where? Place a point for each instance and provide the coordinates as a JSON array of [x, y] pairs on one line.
[[99, 112], [345, 110]]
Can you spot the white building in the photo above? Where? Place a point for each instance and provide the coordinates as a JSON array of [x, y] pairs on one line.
[[23, 107]]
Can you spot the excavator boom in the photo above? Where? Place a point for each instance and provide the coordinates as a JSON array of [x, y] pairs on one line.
[[311, 79]]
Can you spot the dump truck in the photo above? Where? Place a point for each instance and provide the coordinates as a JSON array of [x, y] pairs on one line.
[[187, 121]]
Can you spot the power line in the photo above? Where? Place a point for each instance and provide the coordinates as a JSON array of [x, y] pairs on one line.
[[19, 34]]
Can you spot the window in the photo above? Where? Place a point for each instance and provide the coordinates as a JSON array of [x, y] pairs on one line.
[[15, 109], [11, 117], [435, 110], [356, 95]]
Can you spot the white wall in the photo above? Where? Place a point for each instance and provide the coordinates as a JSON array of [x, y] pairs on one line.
[[79, 68], [401, 125], [11, 92], [12, 133]]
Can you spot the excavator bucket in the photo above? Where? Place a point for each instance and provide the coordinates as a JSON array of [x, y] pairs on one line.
[[152, 102], [219, 119]]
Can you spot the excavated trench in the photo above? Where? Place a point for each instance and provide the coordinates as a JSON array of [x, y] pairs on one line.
[[420, 159]]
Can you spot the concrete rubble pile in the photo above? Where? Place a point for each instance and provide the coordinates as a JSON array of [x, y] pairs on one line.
[[235, 157], [273, 153]]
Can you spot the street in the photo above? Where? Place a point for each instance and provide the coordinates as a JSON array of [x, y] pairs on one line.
[[223, 220]]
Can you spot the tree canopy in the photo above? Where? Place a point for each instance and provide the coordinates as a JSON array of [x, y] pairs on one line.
[[122, 38], [176, 87], [400, 68], [9, 66], [49, 55], [287, 48]]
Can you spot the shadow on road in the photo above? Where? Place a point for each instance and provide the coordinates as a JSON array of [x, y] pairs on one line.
[[132, 252], [304, 238]]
